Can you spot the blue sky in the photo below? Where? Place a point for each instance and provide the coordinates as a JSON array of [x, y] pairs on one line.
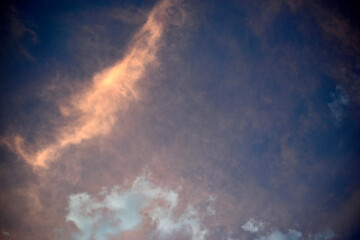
[[248, 112]]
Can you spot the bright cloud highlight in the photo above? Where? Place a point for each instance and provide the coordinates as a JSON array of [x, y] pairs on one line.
[[122, 212], [93, 111], [253, 225]]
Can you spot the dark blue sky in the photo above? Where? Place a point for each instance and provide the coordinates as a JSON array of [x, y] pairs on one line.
[[253, 102]]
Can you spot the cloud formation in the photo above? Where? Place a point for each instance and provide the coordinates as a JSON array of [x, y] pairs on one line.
[[253, 225], [237, 110], [92, 112], [256, 227], [293, 234], [121, 212]]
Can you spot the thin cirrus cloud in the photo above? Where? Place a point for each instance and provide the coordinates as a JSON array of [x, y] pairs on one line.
[[141, 210], [93, 111]]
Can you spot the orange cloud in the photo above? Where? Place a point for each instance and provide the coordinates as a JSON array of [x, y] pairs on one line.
[[93, 111]]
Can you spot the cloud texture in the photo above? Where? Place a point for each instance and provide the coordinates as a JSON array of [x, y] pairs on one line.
[[245, 113], [93, 111], [121, 212]]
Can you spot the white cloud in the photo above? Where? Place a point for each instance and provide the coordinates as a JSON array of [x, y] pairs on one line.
[[187, 222], [116, 210], [229, 234], [210, 210], [253, 225]]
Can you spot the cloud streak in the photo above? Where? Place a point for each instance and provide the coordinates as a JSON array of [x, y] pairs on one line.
[[92, 112]]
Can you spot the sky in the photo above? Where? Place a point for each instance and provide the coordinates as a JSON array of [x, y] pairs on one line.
[[180, 119]]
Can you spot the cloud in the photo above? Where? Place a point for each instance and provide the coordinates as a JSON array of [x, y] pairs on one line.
[[337, 106], [212, 120], [327, 235], [118, 211], [92, 112], [253, 226], [210, 210], [278, 235], [129, 15], [292, 234], [228, 236], [19, 30]]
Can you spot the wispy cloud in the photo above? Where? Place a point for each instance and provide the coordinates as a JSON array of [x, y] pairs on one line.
[[293, 234], [120, 212], [92, 112], [278, 235], [19, 30], [256, 227], [337, 106]]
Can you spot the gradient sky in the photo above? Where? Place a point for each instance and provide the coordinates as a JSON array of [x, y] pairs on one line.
[[180, 119]]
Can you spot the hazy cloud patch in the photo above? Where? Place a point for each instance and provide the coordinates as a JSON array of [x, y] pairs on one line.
[[253, 225], [117, 210], [327, 235], [21, 33], [257, 227], [340, 100], [293, 234], [278, 235]]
